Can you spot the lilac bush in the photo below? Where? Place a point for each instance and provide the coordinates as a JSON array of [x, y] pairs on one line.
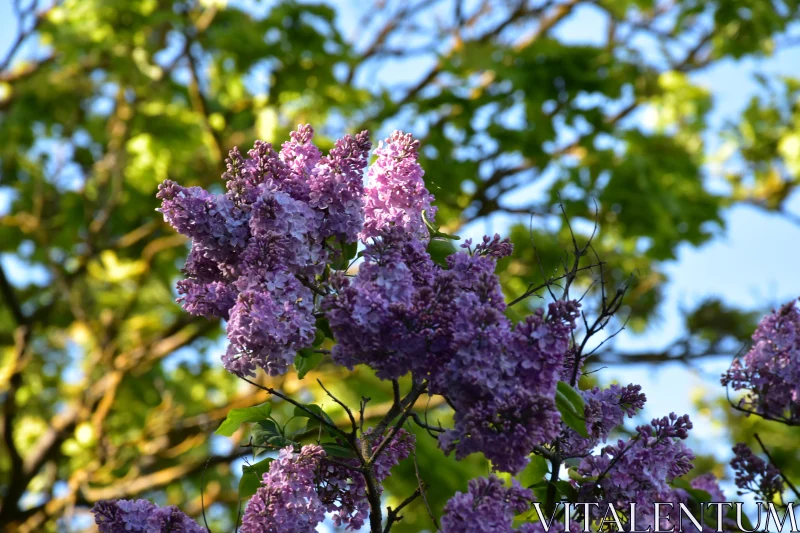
[[303, 260]]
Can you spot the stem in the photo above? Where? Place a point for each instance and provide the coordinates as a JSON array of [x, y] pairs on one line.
[[771, 460], [373, 490], [550, 500], [393, 515]]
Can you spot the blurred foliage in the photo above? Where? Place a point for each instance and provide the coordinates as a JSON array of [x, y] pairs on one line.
[[108, 390]]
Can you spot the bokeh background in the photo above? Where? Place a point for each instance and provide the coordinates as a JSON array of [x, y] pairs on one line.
[[678, 119]]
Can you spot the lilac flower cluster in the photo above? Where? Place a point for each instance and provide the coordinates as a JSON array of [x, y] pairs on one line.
[[640, 469], [402, 312], [755, 475], [486, 507], [300, 488], [261, 258], [502, 380], [255, 247], [287, 501], [605, 410], [258, 250], [770, 370], [382, 317], [141, 516], [397, 196]]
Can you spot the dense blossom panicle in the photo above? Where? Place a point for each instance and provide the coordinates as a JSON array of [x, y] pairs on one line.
[[217, 227], [141, 516], [770, 370], [604, 410], [284, 231], [257, 247], [487, 507], [336, 187], [502, 381], [639, 470], [396, 194], [287, 500], [299, 153], [267, 327], [379, 318], [213, 299], [755, 475], [265, 256]]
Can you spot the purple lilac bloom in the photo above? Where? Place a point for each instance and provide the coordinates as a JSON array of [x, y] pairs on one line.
[[287, 501], [639, 470], [268, 325], [403, 313], [770, 371], [300, 154], [336, 187], [257, 247], [502, 381], [141, 516], [755, 475], [396, 194], [487, 507], [379, 317]]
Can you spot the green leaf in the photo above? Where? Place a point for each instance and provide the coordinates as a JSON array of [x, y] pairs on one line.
[[573, 474], [279, 441], [571, 405], [350, 251], [306, 361], [434, 230], [534, 472], [314, 422], [566, 490], [574, 396], [237, 417], [319, 338], [337, 450], [268, 433], [265, 430], [324, 327], [251, 477], [303, 412]]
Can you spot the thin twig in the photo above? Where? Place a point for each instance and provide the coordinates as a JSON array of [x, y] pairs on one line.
[[772, 460], [202, 490], [354, 426]]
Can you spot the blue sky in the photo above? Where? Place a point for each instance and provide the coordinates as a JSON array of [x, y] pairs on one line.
[[752, 263]]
